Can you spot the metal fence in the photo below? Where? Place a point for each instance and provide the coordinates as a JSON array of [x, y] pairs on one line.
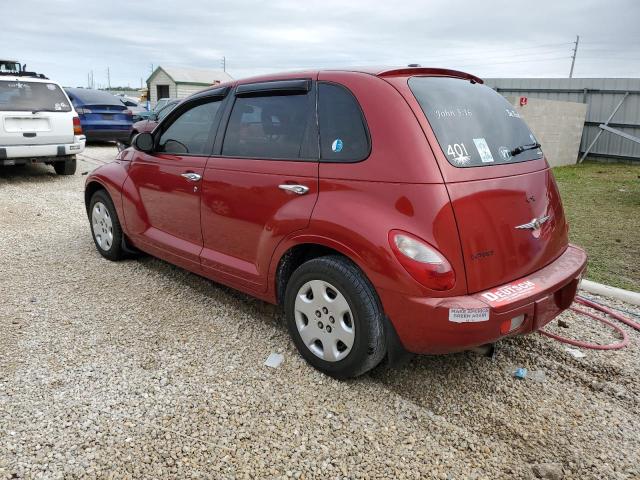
[[602, 96]]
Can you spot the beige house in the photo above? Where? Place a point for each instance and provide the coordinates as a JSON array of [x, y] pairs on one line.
[[178, 82]]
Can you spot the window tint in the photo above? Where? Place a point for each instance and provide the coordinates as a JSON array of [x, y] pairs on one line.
[[189, 133], [343, 134], [268, 127], [19, 95], [475, 125]]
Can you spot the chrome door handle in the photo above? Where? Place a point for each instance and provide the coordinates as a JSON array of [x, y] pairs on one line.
[[298, 189], [192, 177]]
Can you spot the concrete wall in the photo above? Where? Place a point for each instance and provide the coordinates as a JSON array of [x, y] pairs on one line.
[[557, 126], [601, 95]]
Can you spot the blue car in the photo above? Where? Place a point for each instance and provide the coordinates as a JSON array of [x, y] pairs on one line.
[[103, 116]]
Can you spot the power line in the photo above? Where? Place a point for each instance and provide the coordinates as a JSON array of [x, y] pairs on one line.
[[515, 61], [505, 51]]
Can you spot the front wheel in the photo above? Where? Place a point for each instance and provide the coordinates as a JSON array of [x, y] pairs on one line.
[[105, 226], [334, 317]]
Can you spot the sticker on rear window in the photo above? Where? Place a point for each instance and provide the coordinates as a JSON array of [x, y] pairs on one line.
[[458, 153], [51, 86], [483, 150], [468, 315], [508, 293], [336, 146], [505, 153]]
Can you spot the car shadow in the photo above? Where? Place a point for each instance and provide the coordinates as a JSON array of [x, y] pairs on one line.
[[29, 173], [270, 314]]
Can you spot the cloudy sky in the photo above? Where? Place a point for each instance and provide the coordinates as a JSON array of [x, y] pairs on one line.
[[66, 39]]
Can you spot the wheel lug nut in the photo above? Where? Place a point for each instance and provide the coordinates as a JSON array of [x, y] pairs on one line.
[[325, 310], [332, 320], [318, 314], [320, 325], [328, 328]]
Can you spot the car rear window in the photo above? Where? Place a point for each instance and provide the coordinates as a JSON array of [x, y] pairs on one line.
[[32, 96], [475, 126], [95, 97]]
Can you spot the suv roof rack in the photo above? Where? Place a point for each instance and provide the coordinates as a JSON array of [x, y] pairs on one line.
[[24, 74]]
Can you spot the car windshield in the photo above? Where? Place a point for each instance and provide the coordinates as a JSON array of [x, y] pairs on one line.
[[475, 126], [19, 95]]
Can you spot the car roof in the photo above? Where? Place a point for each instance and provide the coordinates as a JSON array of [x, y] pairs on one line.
[[377, 71], [25, 78]]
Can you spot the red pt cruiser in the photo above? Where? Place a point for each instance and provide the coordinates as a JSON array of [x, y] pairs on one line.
[[406, 209]]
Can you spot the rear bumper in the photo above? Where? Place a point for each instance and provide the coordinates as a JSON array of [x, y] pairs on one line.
[[107, 135], [428, 325], [18, 154]]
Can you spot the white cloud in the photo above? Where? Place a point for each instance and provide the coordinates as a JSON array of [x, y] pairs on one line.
[[67, 39]]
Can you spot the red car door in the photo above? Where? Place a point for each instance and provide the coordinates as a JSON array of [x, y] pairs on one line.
[[166, 184], [263, 183]]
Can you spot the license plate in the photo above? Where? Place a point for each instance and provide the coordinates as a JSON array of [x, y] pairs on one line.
[[9, 162], [108, 117]]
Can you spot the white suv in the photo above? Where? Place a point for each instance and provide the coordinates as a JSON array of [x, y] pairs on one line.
[[38, 124]]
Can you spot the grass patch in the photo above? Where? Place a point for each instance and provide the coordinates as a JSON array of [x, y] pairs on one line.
[[602, 204]]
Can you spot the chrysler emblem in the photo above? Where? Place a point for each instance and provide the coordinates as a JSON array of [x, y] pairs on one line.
[[534, 225]]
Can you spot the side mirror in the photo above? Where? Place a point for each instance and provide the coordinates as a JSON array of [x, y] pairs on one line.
[[143, 142]]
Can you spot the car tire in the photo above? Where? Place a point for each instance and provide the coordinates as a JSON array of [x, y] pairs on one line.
[[105, 226], [334, 317], [66, 167]]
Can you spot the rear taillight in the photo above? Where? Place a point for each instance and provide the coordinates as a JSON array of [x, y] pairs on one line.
[[82, 111], [77, 128], [128, 112], [422, 261]]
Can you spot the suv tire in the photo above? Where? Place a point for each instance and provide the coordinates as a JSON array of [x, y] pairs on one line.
[[65, 167], [105, 226], [334, 317]]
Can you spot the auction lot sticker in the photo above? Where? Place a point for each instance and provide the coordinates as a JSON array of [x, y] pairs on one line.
[[509, 293], [467, 315]]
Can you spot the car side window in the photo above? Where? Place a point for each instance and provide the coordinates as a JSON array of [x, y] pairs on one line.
[[344, 136], [270, 127], [190, 132]]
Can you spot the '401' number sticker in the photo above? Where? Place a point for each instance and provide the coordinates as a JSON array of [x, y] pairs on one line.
[[458, 153]]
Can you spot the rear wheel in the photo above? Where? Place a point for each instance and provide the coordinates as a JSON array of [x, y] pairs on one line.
[[65, 167], [105, 226], [334, 317]]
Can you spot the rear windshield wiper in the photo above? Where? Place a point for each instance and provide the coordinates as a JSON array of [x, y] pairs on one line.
[[524, 148]]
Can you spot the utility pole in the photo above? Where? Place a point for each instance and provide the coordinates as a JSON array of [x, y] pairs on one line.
[[224, 64], [108, 78], [573, 57]]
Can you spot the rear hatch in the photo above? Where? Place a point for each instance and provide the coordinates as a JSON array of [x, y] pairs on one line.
[[100, 110], [107, 117], [505, 199], [34, 113]]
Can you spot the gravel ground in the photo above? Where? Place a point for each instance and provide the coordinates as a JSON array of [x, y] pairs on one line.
[[139, 369]]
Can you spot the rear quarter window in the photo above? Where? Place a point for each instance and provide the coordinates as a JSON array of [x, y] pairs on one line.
[[344, 136], [475, 126]]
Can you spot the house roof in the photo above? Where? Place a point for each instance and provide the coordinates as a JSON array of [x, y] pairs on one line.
[[193, 76]]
